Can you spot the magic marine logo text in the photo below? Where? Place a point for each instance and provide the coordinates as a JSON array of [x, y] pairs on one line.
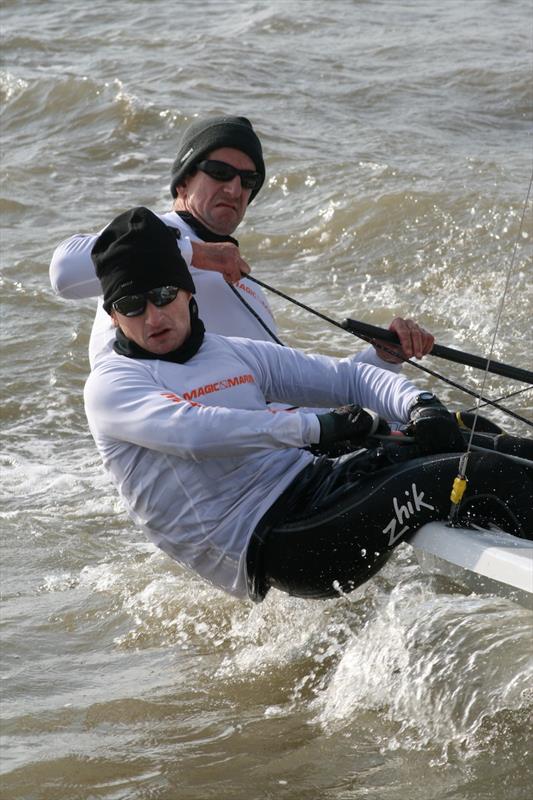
[[209, 388]]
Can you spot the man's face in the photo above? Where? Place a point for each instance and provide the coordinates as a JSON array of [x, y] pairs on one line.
[[219, 205], [159, 329]]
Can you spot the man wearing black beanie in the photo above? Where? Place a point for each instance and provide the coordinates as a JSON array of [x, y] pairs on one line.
[[147, 288], [230, 489], [217, 172], [204, 136]]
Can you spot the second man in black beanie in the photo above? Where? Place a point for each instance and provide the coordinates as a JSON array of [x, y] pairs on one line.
[[206, 135]]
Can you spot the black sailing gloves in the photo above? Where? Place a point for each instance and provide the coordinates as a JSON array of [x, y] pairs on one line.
[[348, 424], [432, 427], [435, 430]]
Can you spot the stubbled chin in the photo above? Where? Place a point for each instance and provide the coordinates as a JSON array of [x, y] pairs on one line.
[[225, 220]]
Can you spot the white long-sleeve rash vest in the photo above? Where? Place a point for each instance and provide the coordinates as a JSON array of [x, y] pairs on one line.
[[197, 454]]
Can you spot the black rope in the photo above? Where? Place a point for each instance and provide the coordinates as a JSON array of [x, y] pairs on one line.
[[502, 397], [254, 314], [368, 339]]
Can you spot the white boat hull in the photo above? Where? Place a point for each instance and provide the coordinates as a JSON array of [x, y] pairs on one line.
[[484, 561]]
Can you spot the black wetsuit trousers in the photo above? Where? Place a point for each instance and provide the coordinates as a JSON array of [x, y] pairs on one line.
[[338, 522]]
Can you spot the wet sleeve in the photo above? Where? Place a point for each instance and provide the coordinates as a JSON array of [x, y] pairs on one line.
[[126, 404], [289, 376], [370, 356]]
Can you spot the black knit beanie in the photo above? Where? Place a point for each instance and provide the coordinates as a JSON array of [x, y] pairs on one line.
[[135, 253], [204, 136]]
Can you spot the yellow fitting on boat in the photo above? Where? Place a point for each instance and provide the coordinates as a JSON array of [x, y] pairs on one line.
[[460, 421], [458, 490]]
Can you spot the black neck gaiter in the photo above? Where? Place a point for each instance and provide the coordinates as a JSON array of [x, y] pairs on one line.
[[125, 347], [204, 233]]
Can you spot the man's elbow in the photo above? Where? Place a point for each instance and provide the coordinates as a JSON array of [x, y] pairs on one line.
[[70, 276], [58, 275]]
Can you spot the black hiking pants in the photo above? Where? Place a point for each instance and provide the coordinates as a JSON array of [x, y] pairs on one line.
[[339, 521]]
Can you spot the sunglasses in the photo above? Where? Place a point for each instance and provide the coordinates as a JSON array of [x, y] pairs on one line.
[[221, 171], [133, 305]]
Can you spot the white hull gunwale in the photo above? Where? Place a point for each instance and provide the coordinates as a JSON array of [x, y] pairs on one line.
[[484, 561]]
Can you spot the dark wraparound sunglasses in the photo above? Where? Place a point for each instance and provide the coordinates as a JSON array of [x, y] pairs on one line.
[[221, 171], [133, 305]]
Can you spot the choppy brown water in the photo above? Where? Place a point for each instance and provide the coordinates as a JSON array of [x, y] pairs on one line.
[[398, 143]]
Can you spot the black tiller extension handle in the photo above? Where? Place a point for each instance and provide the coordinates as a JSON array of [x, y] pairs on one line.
[[460, 357]]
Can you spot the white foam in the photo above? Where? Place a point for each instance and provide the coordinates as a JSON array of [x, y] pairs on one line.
[[421, 662], [10, 85]]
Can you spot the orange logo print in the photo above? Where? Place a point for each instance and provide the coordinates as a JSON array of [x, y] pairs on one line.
[[218, 386], [209, 388]]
